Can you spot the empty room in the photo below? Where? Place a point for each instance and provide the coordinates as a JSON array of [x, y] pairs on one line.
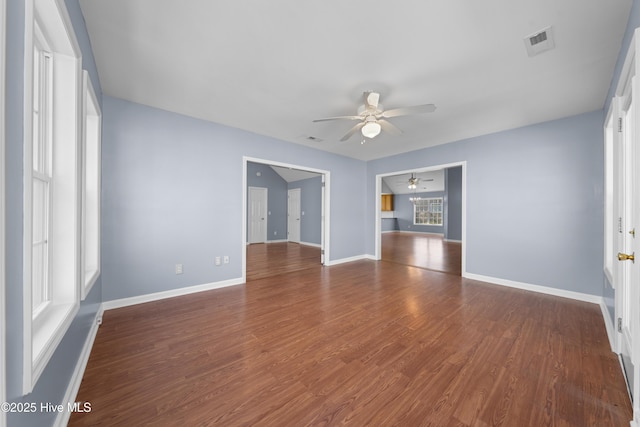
[[340, 213]]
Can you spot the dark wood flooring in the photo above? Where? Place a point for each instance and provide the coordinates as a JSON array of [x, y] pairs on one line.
[[272, 259], [422, 250], [364, 344]]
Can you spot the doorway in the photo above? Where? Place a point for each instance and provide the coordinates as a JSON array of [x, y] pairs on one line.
[[310, 207], [412, 241]]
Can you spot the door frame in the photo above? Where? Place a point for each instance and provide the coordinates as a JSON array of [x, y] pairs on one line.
[[289, 191], [378, 221], [629, 72], [265, 214], [325, 226]]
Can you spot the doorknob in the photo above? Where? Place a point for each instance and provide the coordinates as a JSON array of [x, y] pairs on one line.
[[625, 257]]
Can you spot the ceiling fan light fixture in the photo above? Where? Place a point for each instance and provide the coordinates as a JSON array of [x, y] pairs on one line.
[[371, 129]]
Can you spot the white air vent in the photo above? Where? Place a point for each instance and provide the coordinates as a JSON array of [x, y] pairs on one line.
[[540, 41]]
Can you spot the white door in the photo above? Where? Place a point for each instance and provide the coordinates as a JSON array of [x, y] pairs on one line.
[[257, 215], [627, 189], [293, 215]]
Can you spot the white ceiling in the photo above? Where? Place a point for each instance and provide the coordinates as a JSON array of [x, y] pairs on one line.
[[427, 181], [271, 67]]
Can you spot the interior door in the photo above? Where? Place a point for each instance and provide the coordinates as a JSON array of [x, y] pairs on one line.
[[293, 215], [628, 220], [257, 215]]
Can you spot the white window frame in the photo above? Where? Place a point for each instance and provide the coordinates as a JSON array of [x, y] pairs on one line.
[[429, 201], [91, 172], [44, 330]]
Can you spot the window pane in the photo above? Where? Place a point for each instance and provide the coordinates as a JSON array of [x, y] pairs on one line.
[[40, 257]]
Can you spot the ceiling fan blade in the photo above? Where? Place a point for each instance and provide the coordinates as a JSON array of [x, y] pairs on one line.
[[353, 130], [406, 111], [389, 128], [371, 100], [338, 118]]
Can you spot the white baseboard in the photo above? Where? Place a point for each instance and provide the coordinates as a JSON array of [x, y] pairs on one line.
[[277, 241], [76, 378], [315, 245], [125, 302], [595, 299], [350, 259], [609, 326], [452, 240]]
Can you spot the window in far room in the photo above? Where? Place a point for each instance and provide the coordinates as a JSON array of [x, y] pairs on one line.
[[428, 211]]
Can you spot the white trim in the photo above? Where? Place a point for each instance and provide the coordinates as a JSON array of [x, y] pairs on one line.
[[595, 299], [141, 299], [81, 365], [350, 259], [315, 245], [326, 202], [452, 240], [609, 327], [89, 94], [275, 241], [378, 219], [3, 319]]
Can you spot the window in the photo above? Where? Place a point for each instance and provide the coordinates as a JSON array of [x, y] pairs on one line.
[[52, 176], [90, 187], [41, 174], [428, 211]]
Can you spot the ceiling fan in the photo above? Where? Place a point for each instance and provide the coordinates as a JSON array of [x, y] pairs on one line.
[[372, 117]]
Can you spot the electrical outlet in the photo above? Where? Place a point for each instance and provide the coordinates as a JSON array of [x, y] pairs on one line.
[[217, 260], [178, 268], [226, 259]]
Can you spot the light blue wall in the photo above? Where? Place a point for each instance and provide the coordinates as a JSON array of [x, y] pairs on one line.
[[277, 198], [311, 209], [534, 201], [453, 203], [389, 224], [55, 379], [172, 193]]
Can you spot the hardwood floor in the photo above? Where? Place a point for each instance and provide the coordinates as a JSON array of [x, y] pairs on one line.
[[422, 250], [265, 260], [363, 343]]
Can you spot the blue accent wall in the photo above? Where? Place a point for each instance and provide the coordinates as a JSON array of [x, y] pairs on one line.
[[277, 198], [55, 379], [172, 193], [310, 209], [453, 203]]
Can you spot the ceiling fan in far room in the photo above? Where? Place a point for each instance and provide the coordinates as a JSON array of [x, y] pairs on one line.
[[372, 117]]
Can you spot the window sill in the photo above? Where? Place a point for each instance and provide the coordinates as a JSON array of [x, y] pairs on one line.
[[48, 330]]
